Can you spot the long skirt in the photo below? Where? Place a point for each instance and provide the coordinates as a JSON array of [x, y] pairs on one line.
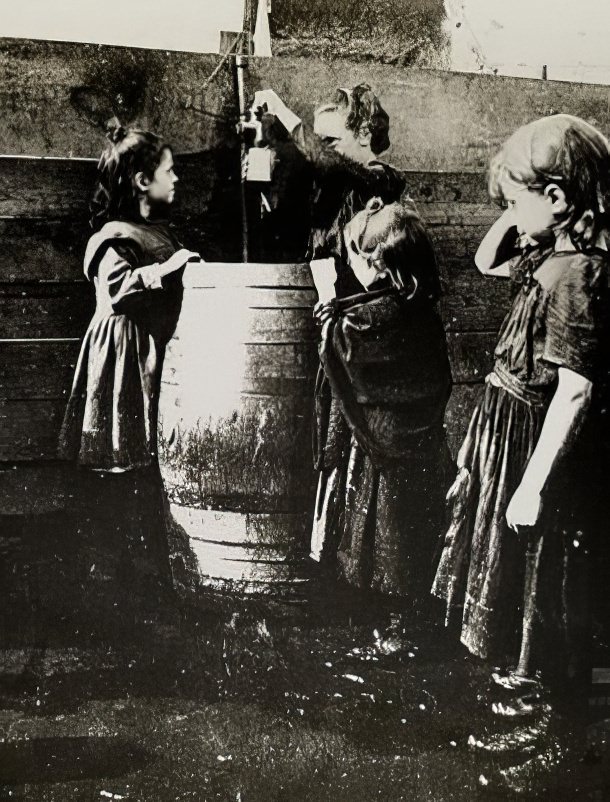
[[522, 598], [121, 540], [382, 525]]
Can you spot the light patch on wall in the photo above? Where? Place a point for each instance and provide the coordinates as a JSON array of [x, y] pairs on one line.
[[520, 37], [188, 25]]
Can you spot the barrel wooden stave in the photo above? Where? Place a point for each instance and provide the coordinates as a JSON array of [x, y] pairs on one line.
[[235, 420]]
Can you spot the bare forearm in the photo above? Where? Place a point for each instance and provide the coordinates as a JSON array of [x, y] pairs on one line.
[[493, 250], [562, 424]]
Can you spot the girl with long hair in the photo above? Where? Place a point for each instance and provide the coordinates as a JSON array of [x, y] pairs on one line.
[[515, 571], [134, 261]]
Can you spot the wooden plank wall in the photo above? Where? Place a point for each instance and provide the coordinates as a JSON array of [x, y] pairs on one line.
[[45, 303], [56, 98], [457, 211]]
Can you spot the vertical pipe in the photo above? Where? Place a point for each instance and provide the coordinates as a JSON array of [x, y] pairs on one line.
[[240, 64]]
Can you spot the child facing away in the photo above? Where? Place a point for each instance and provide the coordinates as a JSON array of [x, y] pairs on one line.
[[134, 261], [516, 564], [380, 400]]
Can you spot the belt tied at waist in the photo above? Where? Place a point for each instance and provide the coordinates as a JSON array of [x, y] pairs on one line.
[[500, 377]]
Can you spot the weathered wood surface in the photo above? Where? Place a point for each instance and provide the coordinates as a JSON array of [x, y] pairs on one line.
[[56, 97], [45, 310], [28, 488], [29, 429], [43, 294], [248, 549], [474, 303], [43, 187], [37, 369], [235, 419], [439, 120]]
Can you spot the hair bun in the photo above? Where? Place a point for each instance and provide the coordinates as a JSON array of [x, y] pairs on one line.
[[115, 132]]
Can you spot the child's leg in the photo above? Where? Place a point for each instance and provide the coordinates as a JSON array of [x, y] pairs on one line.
[[556, 632], [530, 604]]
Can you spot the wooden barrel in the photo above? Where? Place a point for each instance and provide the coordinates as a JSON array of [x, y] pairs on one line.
[[235, 415]]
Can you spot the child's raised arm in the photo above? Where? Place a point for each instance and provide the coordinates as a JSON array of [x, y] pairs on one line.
[[497, 247]]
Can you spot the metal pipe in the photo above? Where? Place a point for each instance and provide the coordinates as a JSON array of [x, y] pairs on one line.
[[241, 62]]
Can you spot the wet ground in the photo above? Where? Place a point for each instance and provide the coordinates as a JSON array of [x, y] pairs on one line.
[[323, 695], [317, 698]]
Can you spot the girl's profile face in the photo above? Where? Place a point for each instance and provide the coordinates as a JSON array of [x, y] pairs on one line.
[[532, 208], [161, 189]]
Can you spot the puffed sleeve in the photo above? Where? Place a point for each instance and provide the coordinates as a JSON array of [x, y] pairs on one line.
[[128, 287], [576, 316]]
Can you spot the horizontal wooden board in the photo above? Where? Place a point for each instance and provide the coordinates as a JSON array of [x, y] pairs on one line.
[[34, 187], [29, 429], [273, 531], [458, 214], [42, 250], [457, 241], [475, 302], [42, 369], [58, 187], [45, 310], [470, 301], [52, 250], [237, 275], [45, 187], [36, 370], [447, 187], [32, 489]]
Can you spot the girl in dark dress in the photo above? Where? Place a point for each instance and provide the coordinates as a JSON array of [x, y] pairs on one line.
[[517, 558], [384, 384], [109, 431]]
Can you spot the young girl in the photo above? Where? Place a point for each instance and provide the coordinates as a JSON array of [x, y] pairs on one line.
[[133, 261], [380, 422], [517, 555]]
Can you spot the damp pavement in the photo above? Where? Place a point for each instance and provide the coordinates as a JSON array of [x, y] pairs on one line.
[[322, 697]]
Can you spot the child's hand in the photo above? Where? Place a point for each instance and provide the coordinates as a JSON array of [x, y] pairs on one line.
[[457, 495], [523, 508], [324, 312], [178, 260], [458, 488], [184, 256]]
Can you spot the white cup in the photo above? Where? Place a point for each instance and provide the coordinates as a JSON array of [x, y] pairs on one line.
[[259, 164]]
